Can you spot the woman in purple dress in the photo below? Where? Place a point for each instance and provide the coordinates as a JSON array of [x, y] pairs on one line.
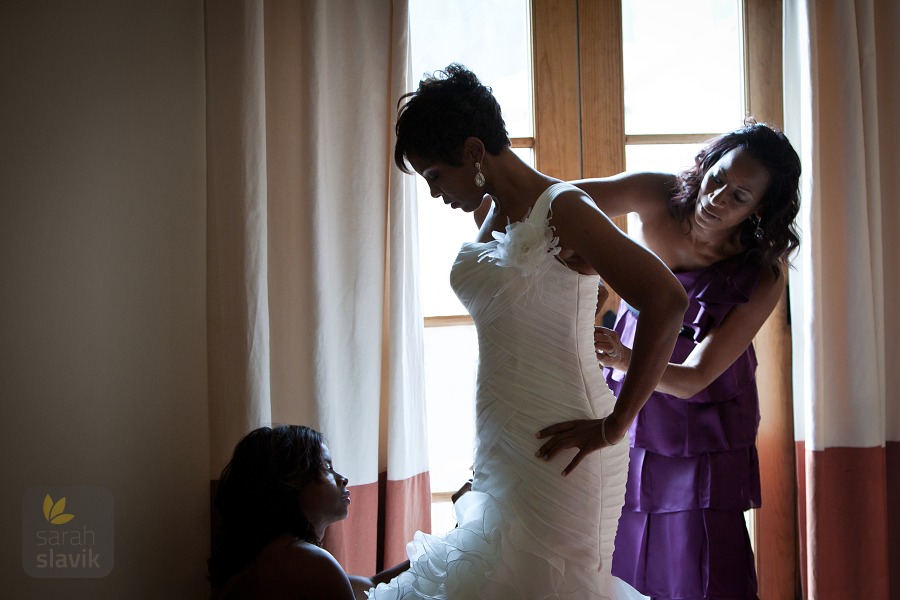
[[725, 227]]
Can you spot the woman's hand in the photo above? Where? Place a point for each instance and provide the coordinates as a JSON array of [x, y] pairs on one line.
[[466, 487], [587, 435], [602, 297], [360, 586], [611, 352]]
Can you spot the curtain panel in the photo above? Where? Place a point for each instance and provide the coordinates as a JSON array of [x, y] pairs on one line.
[[842, 68], [314, 316]]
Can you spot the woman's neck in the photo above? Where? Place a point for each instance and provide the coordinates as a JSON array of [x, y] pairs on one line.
[[514, 185], [711, 247]]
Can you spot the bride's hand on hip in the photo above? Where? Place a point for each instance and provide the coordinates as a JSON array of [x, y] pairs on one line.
[[588, 435]]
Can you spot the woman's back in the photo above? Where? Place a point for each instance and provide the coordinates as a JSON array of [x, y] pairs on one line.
[[288, 569]]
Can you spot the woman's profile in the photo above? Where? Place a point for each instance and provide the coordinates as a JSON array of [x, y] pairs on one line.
[[276, 497]]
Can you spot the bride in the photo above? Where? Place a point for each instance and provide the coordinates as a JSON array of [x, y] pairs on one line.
[[532, 526]]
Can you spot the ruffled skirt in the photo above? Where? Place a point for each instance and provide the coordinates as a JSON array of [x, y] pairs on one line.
[[501, 551], [682, 534]]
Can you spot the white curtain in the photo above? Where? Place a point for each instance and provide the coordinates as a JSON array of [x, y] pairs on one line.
[[842, 88], [313, 311]]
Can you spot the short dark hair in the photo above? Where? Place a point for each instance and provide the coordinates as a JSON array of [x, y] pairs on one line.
[[780, 203], [447, 108], [257, 497]]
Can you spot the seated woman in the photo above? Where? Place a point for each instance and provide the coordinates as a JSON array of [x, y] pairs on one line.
[[276, 498]]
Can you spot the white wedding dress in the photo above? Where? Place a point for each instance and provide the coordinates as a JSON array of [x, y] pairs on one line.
[[525, 531]]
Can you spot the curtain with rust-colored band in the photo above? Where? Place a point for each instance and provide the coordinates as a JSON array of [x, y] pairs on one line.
[[312, 253], [842, 91]]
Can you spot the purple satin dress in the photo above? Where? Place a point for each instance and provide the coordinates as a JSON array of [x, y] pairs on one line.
[[694, 468]]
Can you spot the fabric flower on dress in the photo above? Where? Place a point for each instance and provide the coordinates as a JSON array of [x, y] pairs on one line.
[[525, 246]]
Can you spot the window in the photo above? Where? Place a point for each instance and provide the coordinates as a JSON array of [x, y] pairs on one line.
[[493, 39], [665, 125], [700, 57]]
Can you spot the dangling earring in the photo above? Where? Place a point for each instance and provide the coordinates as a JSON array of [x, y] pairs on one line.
[[758, 233], [479, 177]]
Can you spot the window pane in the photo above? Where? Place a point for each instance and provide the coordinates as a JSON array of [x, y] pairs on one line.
[[451, 360], [442, 519], [666, 158], [493, 39], [526, 154], [442, 231], [683, 66]]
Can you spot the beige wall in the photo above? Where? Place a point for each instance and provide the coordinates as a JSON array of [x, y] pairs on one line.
[[102, 283]]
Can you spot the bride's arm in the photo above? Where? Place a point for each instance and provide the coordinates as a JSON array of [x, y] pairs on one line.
[[643, 281]]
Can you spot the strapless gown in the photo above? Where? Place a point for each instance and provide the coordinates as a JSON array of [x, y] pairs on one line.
[[525, 531]]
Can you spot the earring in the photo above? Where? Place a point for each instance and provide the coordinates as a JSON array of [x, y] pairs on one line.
[[479, 177], [758, 233]]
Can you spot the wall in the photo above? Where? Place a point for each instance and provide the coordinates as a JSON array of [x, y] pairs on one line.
[[102, 285]]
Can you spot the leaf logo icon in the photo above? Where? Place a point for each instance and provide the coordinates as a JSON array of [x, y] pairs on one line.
[[53, 511]]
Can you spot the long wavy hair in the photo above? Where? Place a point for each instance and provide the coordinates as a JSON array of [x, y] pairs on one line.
[[780, 204], [257, 497], [447, 108]]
